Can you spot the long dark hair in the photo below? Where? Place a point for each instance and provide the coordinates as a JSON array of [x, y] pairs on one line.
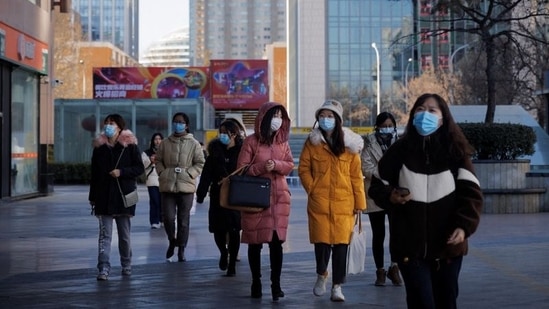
[[337, 144], [267, 137], [234, 128], [150, 151], [448, 141]]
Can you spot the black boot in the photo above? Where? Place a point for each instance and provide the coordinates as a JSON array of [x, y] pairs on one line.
[[254, 258], [223, 260], [256, 289], [234, 246], [181, 254], [171, 248], [275, 255], [231, 269], [276, 291]]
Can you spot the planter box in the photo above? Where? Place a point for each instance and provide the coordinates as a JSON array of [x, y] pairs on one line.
[[506, 188]]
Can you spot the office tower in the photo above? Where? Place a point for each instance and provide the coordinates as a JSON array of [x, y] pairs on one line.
[[114, 21], [236, 29], [330, 49]]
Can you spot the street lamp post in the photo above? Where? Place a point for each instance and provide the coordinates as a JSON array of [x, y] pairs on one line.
[[378, 78], [406, 84], [453, 55], [83, 78]]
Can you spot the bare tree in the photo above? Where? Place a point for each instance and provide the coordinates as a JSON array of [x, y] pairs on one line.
[[445, 84], [505, 30], [354, 102]]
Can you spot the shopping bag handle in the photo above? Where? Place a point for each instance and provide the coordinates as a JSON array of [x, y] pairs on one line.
[[358, 219]]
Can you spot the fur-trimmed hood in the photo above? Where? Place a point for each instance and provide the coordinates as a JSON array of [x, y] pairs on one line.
[[125, 138], [353, 141]]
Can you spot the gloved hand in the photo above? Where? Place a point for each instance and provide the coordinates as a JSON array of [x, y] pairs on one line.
[[199, 200]]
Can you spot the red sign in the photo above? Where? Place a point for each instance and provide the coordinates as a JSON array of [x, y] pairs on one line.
[[239, 84], [23, 49], [150, 82]]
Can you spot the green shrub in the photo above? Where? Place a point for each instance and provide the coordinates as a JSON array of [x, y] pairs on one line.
[[70, 173], [499, 141]]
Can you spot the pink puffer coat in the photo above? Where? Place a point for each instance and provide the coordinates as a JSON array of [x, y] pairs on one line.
[[257, 228]]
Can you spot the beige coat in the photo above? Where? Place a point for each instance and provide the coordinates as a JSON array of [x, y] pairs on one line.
[[185, 153]]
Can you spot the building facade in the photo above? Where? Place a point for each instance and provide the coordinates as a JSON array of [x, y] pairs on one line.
[[171, 50], [330, 50], [114, 21], [236, 29], [25, 111]]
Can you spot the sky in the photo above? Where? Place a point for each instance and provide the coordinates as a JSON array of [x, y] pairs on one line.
[[160, 17]]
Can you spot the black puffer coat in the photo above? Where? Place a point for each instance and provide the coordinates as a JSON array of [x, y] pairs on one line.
[[220, 163], [104, 191]]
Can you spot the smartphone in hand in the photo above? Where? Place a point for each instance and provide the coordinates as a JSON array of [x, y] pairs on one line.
[[402, 191]]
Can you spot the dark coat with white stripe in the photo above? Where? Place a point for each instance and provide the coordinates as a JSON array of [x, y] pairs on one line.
[[445, 195]]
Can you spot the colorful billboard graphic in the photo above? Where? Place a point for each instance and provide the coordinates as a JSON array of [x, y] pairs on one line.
[[150, 82], [239, 84]]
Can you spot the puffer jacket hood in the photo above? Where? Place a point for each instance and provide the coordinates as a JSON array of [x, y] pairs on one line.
[[125, 138], [283, 134], [353, 141]]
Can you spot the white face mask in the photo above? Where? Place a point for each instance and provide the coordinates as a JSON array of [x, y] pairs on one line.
[[276, 123]]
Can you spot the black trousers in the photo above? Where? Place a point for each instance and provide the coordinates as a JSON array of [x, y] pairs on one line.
[[431, 283], [339, 260]]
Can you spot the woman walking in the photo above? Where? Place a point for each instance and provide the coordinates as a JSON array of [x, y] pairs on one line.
[[179, 162], [115, 165], [329, 169], [149, 161], [426, 180], [375, 145], [268, 154], [223, 223]]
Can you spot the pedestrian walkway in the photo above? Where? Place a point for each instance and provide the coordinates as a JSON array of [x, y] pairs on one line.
[[48, 252]]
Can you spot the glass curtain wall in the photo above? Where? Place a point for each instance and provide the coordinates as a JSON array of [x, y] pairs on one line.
[[77, 122], [353, 25]]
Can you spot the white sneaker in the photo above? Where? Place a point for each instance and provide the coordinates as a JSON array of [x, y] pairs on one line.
[[320, 285], [155, 226], [337, 295]]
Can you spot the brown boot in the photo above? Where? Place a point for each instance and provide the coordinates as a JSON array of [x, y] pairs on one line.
[[380, 277], [394, 275]]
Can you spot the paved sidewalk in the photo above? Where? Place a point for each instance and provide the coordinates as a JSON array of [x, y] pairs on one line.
[[48, 252]]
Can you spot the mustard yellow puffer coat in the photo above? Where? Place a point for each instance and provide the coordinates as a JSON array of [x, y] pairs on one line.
[[334, 185]]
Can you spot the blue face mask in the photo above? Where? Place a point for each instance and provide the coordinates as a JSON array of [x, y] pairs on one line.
[[178, 127], [386, 130], [224, 138], [110, 130], [425, 123], [327, 124]]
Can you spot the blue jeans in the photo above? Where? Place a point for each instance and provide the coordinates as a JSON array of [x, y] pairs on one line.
[[431, 283], [123, 226], [177, 206], [155, 209]]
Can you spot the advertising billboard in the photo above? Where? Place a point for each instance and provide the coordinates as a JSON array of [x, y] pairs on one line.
[[150, 82], [239, 84]]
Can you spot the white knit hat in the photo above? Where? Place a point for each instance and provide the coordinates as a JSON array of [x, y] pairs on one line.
[[332, 105]]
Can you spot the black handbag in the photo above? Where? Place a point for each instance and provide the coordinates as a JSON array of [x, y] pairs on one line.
[[250, 191], [245, 193]]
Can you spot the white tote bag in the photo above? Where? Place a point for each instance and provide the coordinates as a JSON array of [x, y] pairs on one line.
[[356, 255]]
